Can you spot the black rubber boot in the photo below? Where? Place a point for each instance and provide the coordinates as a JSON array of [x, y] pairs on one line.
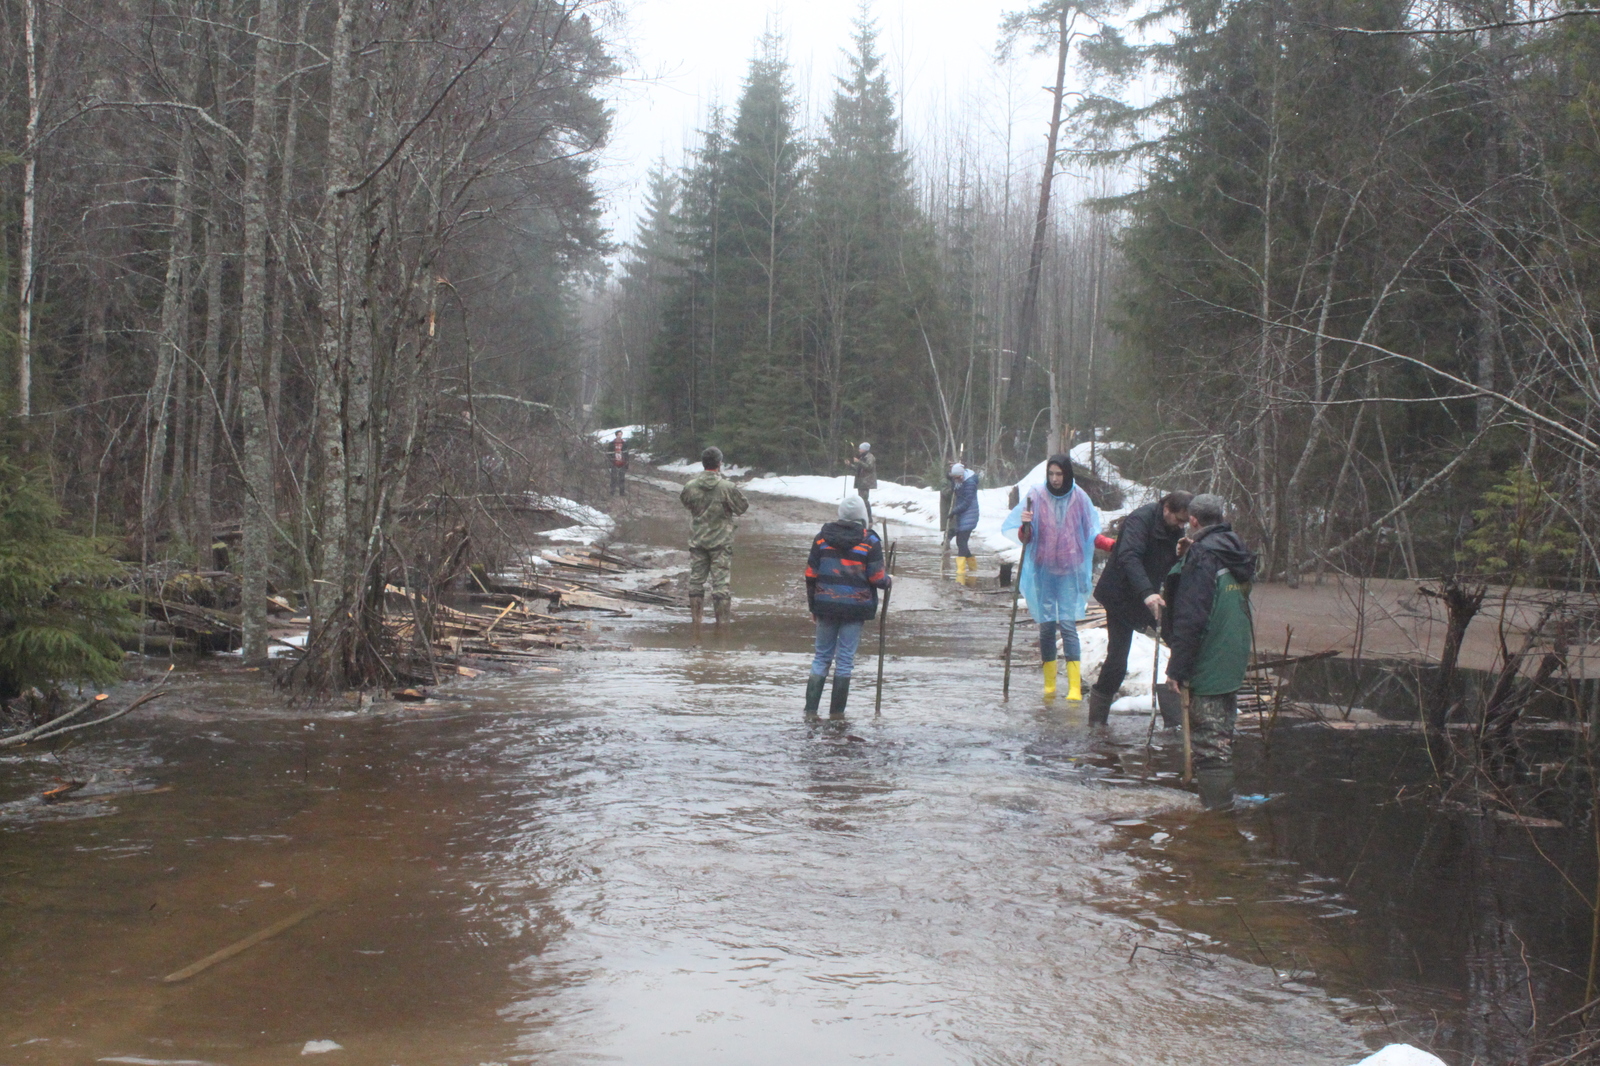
[[1171, 704], [814, 685], [721, 612], [841, 695], [1099, 707], [697, 610], [1216, 787]]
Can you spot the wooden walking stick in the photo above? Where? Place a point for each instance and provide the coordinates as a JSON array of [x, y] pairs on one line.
[[1016, 588], [1155, 701], [1188, 740], [883, 617]]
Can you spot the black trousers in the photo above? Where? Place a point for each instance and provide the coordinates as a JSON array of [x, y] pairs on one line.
[[1119, 636], [962, 537], [619, 481]]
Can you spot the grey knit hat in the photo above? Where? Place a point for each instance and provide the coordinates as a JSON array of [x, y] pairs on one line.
[[853, 509], [1208, 508]]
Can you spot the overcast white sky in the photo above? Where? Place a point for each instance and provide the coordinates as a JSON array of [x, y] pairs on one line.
[[685, 55]]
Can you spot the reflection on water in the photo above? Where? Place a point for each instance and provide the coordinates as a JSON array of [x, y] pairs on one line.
[[648, 858]]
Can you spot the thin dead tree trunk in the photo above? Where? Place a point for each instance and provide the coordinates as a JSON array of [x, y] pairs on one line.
[[169, 340], [209, 407], [1026, 325]]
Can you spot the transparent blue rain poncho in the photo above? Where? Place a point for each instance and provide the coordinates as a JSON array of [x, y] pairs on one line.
[[1058, 569]]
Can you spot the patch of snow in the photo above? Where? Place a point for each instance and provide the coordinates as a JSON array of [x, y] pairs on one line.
[[590, 525], [628, 432], [1401, 1055], [692, 466], [320, 1047]]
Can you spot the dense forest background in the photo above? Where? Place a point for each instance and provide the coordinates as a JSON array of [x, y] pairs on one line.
[[324, 283], [1330, 259]]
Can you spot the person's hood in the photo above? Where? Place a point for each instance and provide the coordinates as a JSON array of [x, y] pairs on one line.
[[1065, 463], [842, 536], [1220, 540], [702, 483]]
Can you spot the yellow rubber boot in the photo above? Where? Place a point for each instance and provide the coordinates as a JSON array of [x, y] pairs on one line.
[[1074, 680], [1050, 680], [961, 569]]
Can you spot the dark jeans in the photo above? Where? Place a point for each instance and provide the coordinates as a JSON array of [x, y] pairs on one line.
[[863, 494], [1119, 638], [962, 537], [619, 481]]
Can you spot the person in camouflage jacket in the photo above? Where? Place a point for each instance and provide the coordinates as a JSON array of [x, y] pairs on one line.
[[713, 502]]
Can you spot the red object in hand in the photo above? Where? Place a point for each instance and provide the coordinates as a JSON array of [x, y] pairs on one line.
[[1103, 542]]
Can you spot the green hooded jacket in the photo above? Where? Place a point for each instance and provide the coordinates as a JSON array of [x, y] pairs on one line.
[[1208, 623], [713, 502]]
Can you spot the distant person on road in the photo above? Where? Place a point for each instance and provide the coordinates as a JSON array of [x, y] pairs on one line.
[[843, 575], [1130, 590], [1210, 630], [963, 516], [865, 466], [618, 450], [1058, 523], [713, 502]]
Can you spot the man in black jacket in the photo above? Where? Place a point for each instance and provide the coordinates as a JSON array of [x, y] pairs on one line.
[[1130, 590]]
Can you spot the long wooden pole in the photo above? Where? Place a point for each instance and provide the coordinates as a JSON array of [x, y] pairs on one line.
[[883, 618], [1016, 588], [1155, 702], [1188, 740]]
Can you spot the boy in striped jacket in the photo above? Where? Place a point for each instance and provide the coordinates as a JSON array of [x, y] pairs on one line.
[[843, 575]]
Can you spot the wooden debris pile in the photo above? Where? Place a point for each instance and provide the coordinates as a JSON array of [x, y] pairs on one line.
[[572, 578], [509, 633], [502, 627]]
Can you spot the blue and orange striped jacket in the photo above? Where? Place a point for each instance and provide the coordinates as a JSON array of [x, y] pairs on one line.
[[844, 572]]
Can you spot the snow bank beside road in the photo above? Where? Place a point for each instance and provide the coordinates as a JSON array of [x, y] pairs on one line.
[[589, 524], [917, 508]]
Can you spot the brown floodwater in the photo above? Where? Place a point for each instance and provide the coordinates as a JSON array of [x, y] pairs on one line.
[[645, 856]]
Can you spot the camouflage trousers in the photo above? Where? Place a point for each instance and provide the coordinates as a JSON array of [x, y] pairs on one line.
[[713, 564], [1211, 730]]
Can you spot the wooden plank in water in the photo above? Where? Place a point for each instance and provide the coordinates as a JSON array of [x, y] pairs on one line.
[[239, 946]]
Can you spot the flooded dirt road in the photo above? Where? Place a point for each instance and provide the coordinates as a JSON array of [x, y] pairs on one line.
[[644, 856]]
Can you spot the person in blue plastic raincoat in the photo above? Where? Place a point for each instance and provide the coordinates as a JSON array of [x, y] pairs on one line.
[[1057, 524]]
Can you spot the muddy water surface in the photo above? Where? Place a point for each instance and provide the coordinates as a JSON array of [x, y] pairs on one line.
[[646, 857]]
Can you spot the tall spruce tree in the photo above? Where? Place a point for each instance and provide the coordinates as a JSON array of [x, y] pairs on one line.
[[874, 310], [686, 357], [763, 416]]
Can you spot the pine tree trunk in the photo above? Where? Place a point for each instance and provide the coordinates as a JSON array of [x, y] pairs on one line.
[[259, 506], [30, 177], [333, 296]]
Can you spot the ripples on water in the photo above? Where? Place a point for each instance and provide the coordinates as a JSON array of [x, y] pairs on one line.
[[648, 858]]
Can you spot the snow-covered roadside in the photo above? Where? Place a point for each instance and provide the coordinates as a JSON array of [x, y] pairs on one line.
[[910, 508], [589, 524], [691, 467]]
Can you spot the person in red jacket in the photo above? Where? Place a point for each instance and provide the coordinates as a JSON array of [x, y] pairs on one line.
[[618, 452]]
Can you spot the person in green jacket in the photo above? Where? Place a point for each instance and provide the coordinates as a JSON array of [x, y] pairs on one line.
[[713, 502], [1209, 628]]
